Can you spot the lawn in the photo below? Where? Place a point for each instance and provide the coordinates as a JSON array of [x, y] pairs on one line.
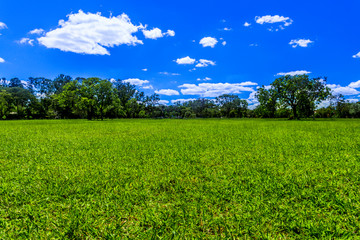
[[216, 178]]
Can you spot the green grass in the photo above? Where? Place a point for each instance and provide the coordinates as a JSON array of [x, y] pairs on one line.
[[248, 179]]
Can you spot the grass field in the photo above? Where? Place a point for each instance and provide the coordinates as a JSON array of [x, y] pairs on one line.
[[248, 179]]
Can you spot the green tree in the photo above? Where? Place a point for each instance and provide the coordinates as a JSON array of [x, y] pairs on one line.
[[5, 103], [65, 102], [300, 93], [232, 105], [15, 83], [267, 98], [21, 99], [95, 96]]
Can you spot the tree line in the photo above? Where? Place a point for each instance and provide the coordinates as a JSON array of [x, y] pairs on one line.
[[93, 98]]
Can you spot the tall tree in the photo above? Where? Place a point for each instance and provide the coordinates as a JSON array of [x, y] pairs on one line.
[[267, 101], [300, 93], [95, 96], [5, 103], [59, 83], [15, 82], [232, 105]]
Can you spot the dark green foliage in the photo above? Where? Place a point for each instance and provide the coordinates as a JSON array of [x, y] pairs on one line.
[[299, 92], [232, 106], [267, 102], [95, 98]]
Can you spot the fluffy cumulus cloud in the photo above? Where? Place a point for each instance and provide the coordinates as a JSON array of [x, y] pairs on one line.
[[293, 73], [185, 60], [355, 84], [356, 55], [156, 33], [153, 34], [300, 43], [2, 60], [214, 89], [27, 41], [182, 100], [246, 24], [136, 81], [205, 63], [90, 33], [167, 92], [208, 42], [227, 29], [37, 31], [286, 21], [346, 91]]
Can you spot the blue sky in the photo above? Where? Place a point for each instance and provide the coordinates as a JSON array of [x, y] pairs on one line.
[[184, 49]]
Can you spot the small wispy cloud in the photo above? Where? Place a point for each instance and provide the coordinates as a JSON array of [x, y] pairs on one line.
[[300, 43]]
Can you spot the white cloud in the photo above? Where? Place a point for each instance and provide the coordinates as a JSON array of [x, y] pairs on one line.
[[185, 60], [153, 34], [27, 41], [148, 87], [356, 55], [246, 24], [2, 25], [253, 45], [136, 81], [156, 33], [170, 33], [182, 100], [353, 100], [205, 63], [346, 91], [168, 92], [163, 102], [204, 79], [300, 43], [208, 42], [227, 29], [293, 73], [90, 33], [37, 31], [169, 74], [213, 89], [224, 43], [2, 60], [248, 83], [355, 84], [274, 19], [144, 69], [252, 100]]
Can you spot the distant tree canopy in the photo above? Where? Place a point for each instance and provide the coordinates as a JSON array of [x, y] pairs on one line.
[[299, 93], [93, 98]]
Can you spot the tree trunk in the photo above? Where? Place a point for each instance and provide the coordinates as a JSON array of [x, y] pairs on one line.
[[295, 112], [101, 114]]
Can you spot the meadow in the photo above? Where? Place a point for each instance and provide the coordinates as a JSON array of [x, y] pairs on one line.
[[180, 179]]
